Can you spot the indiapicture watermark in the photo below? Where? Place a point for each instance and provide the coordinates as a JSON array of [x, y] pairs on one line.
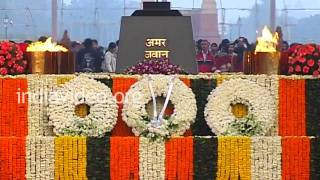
[[80, 96]]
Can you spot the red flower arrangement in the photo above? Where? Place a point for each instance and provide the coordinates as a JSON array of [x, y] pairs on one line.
[[11, 59], [304, 59], [155, 66]]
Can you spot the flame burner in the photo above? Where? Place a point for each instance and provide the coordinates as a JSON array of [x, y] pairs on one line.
[[46, 46], [49, 58], [265, 59], [267, 42], [262, 63]]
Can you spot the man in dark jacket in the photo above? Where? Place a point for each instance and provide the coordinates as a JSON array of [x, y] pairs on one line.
[[87, 58]]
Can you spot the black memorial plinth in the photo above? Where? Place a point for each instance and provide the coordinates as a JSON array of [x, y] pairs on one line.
[[156, 32], [156, 9]]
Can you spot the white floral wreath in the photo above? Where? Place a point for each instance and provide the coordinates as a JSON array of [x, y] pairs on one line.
[[260, 103], [103, 108], [181, 97]]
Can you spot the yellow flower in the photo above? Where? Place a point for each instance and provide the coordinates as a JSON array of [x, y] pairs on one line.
[[234, 158], [70, 158]]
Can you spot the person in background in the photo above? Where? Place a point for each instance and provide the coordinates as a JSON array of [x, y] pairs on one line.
[[223, 47], [285, 46], [196, 47], [117, 43], [43, 39], [223, 62], [214, 49], [95, 44], [241, 45], [27, 41], [110, 59], [87, 58], [280, 38], [233, 64], [75, 48], [100, 50], [231, 49], [284, 59], [204, 58], [198, 44], [65, 41]]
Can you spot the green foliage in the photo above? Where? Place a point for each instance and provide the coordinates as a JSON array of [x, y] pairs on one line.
[[247, 126]]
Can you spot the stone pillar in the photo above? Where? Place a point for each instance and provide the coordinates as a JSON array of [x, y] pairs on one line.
[[208, 22]]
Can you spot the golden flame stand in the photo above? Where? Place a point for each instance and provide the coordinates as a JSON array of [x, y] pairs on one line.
[[262, 63], [37, 62], [51, 62]]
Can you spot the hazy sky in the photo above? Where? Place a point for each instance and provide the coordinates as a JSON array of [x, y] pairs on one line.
[[232, 15]]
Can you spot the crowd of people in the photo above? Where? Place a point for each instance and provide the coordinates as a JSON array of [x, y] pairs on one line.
[[210, 57], [228, 56], [89, 55], [225, 57]]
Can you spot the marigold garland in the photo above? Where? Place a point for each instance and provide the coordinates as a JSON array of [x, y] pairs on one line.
[[124, 158], [14, 107], [295, 158], [187, 82], [292, 117], [12, 157], [239, 110], [70, 158], [121, 85], [234, 158], [220, 79], [298, 115], [179, 158], [64, 80]]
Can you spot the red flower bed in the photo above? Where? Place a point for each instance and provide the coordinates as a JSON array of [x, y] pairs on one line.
[[11, 59], [304, 59]]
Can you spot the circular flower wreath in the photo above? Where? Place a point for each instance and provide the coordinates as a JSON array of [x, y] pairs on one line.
[[103, 108], [136, 116], [260, 104]]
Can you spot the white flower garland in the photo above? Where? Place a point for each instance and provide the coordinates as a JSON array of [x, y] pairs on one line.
[[82, 90], [271, 83], [38, 90], [40, 157], [182, 98], [266, 158], [218, 110], [151, 159]]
